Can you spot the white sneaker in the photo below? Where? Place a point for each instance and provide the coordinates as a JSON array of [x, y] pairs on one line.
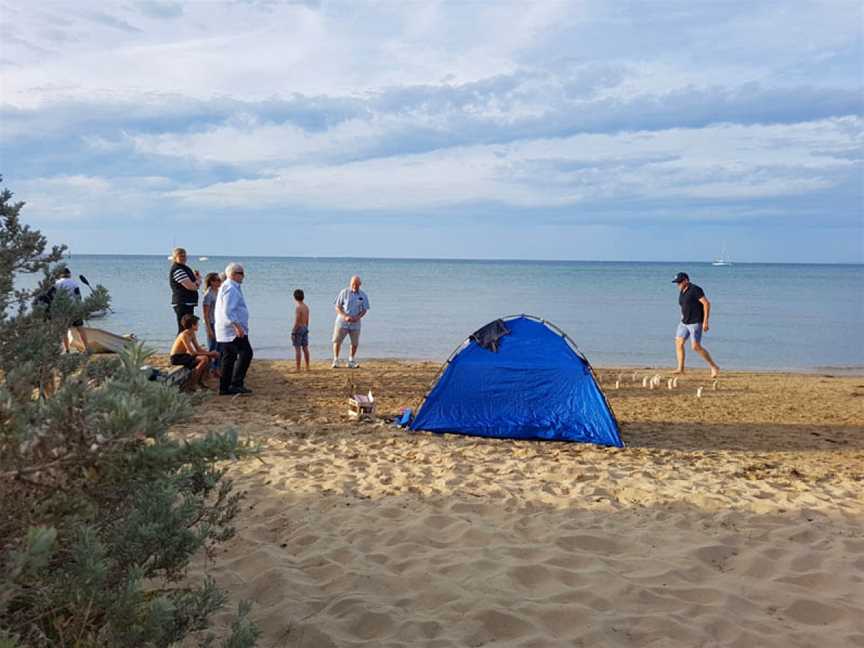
[[353, 364], [335, 364]]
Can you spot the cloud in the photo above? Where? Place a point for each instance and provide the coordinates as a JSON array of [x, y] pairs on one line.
[[86, 199], [160, 9], [111, 21], [722, 163], [548, 112]]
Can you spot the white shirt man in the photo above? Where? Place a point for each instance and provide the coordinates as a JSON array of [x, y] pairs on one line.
[[232, 332]]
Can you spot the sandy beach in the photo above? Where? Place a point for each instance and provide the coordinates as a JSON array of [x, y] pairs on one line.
[[734, 519]]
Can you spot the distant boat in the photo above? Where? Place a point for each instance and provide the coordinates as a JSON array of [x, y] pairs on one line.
[[722, 260], [203, 258]]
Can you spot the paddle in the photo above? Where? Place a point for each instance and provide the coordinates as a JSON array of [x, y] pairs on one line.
[[87, 283]]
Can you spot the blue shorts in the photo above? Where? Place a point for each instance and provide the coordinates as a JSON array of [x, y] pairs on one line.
[[686, 330], [300, 337]]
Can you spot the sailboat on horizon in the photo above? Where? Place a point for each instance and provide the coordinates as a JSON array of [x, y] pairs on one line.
[[723, 259]]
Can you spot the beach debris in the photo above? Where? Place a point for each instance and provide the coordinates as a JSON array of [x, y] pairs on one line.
[[675, 382], [618, 384], [635, 376], [669, 384], [714, 385], [699, 392], [361, 406], [645, 381]]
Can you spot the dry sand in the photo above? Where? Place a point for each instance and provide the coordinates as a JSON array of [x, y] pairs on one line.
[[735, 519]]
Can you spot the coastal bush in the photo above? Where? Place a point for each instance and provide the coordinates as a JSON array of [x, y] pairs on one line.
[[102, 509]]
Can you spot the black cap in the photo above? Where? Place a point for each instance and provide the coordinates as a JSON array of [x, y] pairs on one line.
[[681, 276]]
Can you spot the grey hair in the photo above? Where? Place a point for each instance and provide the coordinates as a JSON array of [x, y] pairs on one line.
[[231, 268]]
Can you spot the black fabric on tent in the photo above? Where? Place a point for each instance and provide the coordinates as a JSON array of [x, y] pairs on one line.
[[488, 336]]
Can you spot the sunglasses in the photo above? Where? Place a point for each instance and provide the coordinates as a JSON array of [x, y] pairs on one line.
[[240, 272]]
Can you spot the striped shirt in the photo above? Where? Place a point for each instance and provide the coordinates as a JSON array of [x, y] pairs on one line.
[[181, 295]]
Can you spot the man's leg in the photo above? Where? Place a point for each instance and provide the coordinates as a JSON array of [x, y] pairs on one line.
[[355, 344], [679, 354], [245, 354], [306, 356], [229, 357], [702, 351], [297, 353], [681, 335], [338, 335]]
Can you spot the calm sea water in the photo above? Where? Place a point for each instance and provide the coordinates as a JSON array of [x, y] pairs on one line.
[[620, 314]]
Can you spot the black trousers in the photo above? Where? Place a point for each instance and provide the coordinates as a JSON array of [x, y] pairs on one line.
[[181, 310], [236, 356]]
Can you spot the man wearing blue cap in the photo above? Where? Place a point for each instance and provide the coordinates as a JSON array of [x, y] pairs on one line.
[[695, 310]]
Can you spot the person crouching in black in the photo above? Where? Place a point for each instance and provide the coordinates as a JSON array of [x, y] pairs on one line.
[[184, 286]]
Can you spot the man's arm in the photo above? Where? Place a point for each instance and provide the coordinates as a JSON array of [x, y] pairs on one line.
[[233, 299], [365, 308], [707, 312], [341, 313], [187, 283]]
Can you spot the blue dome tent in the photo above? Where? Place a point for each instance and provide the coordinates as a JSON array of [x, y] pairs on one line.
[[519, 378]]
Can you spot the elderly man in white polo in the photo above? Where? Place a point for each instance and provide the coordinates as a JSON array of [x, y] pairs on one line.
[[352, 304]]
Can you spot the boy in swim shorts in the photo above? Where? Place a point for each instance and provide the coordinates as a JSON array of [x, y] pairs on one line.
[[186, 352], [300, 332]]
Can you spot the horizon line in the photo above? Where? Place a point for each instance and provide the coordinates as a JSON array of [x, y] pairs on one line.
[[465, 259]]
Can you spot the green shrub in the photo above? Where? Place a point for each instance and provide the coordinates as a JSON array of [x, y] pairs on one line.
[[103, 510]]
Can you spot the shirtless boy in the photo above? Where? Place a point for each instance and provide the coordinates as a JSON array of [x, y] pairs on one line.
[[186, 352], [300, 332]]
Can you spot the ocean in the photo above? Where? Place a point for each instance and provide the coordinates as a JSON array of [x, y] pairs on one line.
[[764, 316]]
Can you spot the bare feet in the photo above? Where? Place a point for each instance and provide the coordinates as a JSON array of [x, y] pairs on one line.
[[678, 372], [715, 371]]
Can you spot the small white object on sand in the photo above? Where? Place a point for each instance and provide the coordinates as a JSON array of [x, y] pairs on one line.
[[669, 383], [645, 381], [675, 381], [698, 392], [618, 384], [714, 385]]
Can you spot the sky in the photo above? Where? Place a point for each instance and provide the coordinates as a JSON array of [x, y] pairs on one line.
[[537, 129]]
